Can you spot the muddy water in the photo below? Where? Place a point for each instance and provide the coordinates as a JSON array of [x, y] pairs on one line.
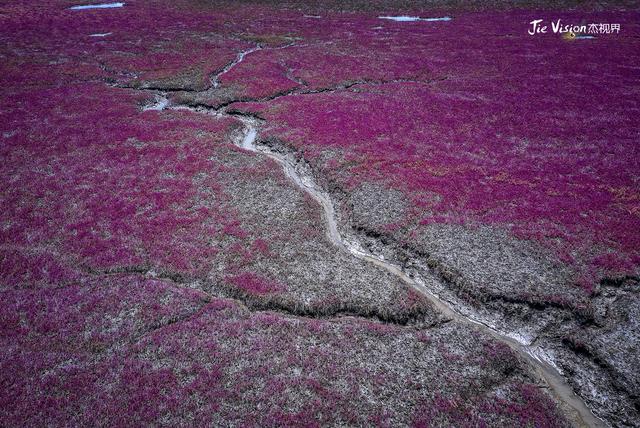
[[543, 367], [534, 356], [216, 79]]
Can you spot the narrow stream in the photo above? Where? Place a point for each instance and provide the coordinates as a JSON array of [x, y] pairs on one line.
[[536, 359], [215, 82], [560, 388]]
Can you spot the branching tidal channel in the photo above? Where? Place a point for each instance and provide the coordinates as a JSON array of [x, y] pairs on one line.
[[299, 174]]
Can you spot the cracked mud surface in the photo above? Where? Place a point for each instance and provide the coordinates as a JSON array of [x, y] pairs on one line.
[[157, 266]]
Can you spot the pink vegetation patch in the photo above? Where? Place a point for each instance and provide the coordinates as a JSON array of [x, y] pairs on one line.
[[133, 188], [512, 137], [255, 284], [221, 363], [260, 74]]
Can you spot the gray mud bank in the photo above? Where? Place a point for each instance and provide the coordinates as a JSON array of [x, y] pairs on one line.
[[447, 268], [422, 281]]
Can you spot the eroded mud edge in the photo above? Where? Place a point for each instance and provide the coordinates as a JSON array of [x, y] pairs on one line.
[[413, 270], [541, 362]]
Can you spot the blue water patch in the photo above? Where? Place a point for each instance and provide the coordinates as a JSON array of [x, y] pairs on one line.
[[97, 6], [405, 18]]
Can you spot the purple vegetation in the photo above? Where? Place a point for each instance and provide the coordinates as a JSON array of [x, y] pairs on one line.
[[254, 284], [222, 363], [504, 136], [93, 185]]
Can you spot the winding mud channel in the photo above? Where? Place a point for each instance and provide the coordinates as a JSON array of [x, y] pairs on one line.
[[215, 81], [559, 387], [542, 365]]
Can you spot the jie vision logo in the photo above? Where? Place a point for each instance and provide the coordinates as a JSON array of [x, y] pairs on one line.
[[539, 26]]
